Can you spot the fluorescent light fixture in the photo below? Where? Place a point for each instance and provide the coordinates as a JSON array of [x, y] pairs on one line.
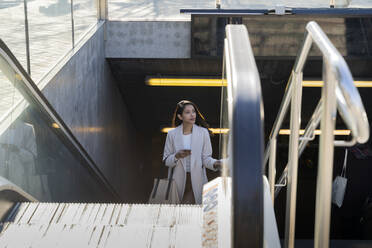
[[360, 84], [204, 82], [281, 131], [317, 132], [218, 82], [219, 130], [88, 129], [213, 130]]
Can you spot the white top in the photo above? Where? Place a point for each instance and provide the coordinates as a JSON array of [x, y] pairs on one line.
[[187, 146]]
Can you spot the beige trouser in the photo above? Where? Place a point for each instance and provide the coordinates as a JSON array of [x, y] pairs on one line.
[[188, 196]]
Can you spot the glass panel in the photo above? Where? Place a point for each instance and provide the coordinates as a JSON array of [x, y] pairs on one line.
[[85, 14], [34, 153], [50, 33], [12, 28]]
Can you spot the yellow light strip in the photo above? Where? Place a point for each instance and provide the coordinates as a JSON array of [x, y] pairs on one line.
[[214, 82], [317, 132], [360, 84], [88, 129], [219, 130], [213, 130], [281, 131], [206, 82]]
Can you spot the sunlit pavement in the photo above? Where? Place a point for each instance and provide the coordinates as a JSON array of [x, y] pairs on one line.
[[50, 35], [50, 26], [50, 30]]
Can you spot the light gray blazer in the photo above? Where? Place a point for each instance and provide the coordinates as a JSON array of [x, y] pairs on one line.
[[201, 157]]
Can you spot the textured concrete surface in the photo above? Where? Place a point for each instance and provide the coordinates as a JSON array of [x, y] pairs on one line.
[[86, 96], [154, 39]]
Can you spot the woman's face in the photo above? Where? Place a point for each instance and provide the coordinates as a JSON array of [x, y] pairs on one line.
[[188, 115]]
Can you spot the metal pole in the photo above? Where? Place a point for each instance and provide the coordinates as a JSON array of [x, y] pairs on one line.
[[218, 4], [299, 65], [72, 23], [272, 169], [332, 3], [283, 109], [102, 9], [102, 15], [295, 122], [309, 130], [304, 51], [27, 39], [325, 161]]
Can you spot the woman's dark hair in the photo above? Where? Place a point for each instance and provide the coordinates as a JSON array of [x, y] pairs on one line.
[[200, 120]]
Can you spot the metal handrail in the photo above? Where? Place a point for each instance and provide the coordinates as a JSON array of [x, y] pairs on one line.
[[245, 116], [338, 92]]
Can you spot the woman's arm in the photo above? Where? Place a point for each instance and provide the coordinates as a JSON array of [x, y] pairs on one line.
[[169, 152], [207, 159]]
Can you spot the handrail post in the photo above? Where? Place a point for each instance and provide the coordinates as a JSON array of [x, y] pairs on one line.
[[295, 122], [325, 162], [272, 169], [283, 109], [338, 91]]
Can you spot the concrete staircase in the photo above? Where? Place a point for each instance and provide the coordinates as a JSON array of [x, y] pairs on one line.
[[102, 225]]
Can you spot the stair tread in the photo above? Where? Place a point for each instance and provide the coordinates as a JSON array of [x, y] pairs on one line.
[[76, 235], [103, 225]]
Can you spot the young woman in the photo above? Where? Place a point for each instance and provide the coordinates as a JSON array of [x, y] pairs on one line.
[[188, 150]]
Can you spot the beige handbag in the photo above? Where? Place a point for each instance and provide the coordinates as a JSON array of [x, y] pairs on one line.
[[164, 191]]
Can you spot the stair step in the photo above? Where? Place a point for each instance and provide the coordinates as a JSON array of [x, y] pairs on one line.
[[76, 235], [108, 214], [103, 225]]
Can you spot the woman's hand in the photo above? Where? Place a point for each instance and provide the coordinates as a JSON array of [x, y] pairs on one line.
[[217, 165], [182, 154]]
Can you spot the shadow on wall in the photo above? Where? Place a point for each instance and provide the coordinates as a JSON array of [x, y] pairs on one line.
[[33, 157]]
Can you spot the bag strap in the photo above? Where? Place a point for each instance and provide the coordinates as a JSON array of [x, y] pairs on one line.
[[343, 172], [163, 166], [156, 188], [170, 179]]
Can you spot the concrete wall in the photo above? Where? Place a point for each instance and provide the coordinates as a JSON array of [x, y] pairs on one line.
[[152, 39], [86, 96]]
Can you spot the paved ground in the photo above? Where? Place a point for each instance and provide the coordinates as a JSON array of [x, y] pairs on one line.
[[154, 9], [50, 25], [151, 10], [49, 29], [50, 33], [50, 21]]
